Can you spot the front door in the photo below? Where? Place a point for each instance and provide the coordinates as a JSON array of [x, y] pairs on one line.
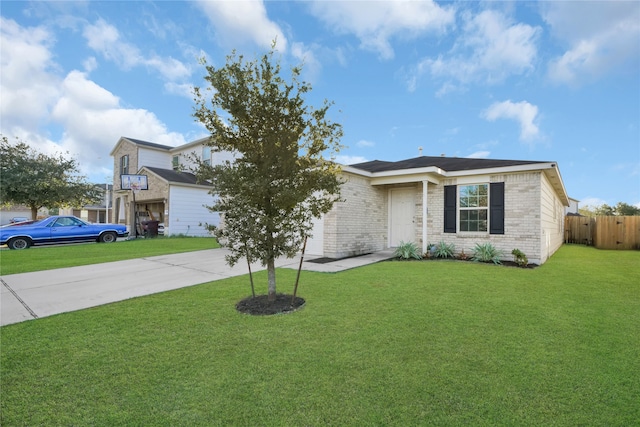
[[402, 222]]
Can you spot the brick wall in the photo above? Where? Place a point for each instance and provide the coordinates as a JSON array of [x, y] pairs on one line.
[[522, 223], [358, 224]]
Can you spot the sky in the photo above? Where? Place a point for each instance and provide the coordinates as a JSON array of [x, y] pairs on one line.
[[550, 81]]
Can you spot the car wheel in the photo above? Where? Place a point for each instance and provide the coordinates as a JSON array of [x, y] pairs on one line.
[[19, 243], [108, 237]]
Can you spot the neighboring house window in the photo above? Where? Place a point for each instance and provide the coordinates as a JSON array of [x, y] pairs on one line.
[[206, 155], [175, 162], [124, 165], [474, 208]]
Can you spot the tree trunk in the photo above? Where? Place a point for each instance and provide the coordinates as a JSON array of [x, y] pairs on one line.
[[271, 270], [34, 212]]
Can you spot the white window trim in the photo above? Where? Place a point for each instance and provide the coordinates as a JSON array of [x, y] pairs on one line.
[[458, 209]]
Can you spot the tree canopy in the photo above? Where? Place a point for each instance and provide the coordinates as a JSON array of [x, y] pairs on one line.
[[620, 209], [280, 178], [37, 180]]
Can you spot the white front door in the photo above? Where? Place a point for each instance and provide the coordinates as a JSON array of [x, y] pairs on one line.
[[315, 244], [402, 216]]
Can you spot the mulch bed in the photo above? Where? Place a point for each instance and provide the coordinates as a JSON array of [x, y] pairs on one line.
[[502, 263], [261, 306]]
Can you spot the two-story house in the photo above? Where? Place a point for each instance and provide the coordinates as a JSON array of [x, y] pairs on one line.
[[174, 197]]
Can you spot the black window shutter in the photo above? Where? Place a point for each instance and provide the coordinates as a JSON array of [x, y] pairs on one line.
[[496, 208], [450, 195]]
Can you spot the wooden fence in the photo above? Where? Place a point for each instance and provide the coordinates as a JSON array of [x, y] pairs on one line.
[[604, 232]]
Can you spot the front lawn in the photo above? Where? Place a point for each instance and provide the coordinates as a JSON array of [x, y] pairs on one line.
[[395, 343], [48, 257]]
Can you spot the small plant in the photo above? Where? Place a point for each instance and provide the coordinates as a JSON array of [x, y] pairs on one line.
[[486, 252], [444, 250], [520, 258], [462, 256], [408, 250]]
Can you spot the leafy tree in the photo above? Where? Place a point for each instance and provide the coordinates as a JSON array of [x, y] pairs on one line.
[[620, 209], [280, 179], [37, 180], [625, 209]]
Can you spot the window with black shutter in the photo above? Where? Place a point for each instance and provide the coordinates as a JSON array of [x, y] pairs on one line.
[[450, 196], [496, 208]]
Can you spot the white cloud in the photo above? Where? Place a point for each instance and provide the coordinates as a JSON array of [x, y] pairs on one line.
[[592, 202], [375, 23], [305, 54], [491, 48], [350, 160], [522, 112], [29, 85], [602, 37], [105, 39], [94, 121], [364, 143], [479, 155], [184, 89], [243, 21], [34, 97]]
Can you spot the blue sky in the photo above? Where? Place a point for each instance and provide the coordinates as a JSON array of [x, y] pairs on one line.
[[553, 81]]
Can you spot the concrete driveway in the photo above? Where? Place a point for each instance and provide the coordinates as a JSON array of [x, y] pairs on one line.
[[27, 296]]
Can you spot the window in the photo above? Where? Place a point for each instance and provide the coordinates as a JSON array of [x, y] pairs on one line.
[[124, 165], [474, 207], [206, 155], [175, 162], [67, 222]]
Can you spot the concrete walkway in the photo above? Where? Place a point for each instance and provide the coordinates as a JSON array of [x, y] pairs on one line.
[[28, 296]]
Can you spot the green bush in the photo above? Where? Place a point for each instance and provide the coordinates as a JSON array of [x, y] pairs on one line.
[[486, 252], [444, 250], [520, 258], [408, 250]]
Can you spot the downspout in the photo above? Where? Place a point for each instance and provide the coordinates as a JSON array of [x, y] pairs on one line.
[[425, 185]]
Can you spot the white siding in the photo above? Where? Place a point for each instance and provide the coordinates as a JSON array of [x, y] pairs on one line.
[[153, 158], [187, 211], [219, 158]]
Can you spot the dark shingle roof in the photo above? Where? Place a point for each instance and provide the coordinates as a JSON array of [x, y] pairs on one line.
[[445, 163], [148, 144], [175, 176]]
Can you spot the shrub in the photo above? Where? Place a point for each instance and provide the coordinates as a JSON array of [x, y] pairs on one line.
[[408, 250], [444, 250], [486, 252], [520, 258]]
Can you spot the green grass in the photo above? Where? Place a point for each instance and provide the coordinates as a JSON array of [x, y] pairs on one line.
[[395, 343], [48, 257]]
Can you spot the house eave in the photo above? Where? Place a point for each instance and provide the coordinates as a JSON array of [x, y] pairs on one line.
[[435, 175]]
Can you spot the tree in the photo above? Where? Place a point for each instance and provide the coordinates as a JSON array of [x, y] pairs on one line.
[[279, 180], [625, 209], [37, 180], [620, 209]]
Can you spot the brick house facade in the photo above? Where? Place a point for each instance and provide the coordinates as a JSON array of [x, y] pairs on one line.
[[511, 204]]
